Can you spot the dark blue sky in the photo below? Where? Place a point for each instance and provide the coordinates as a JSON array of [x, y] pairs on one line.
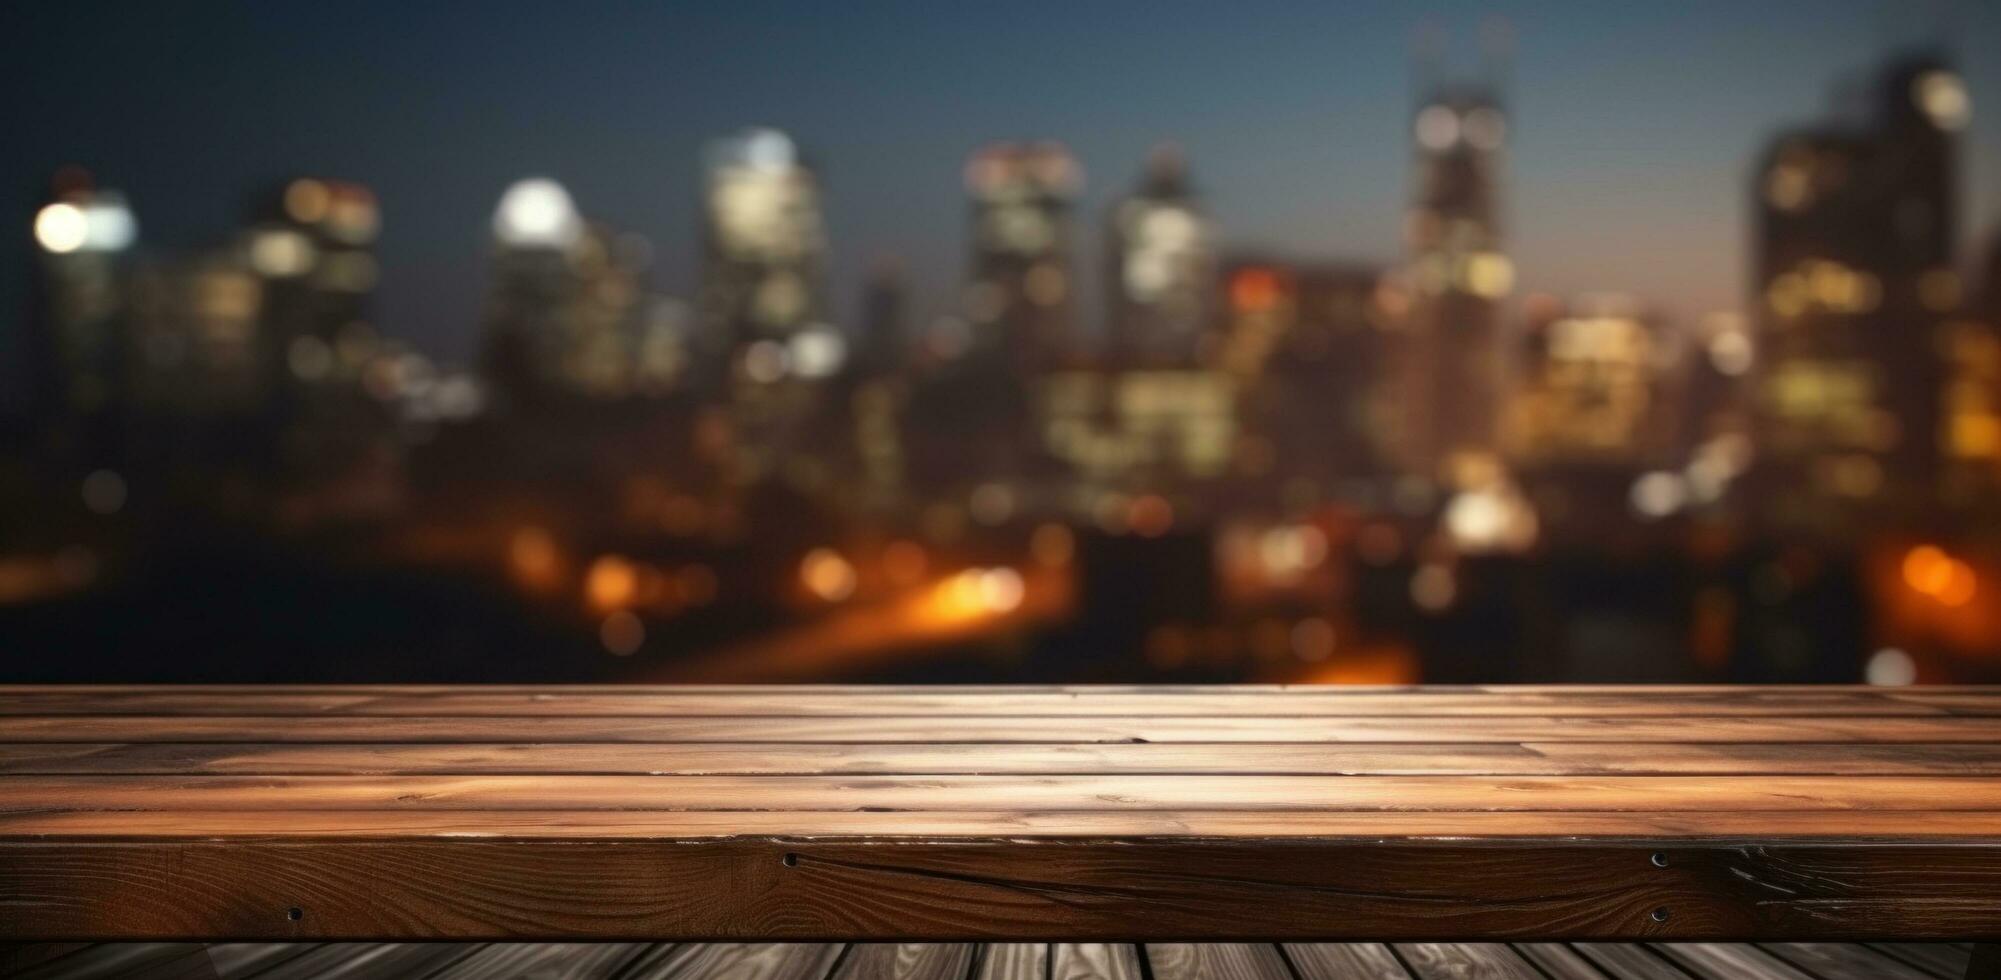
[[1635, 124]]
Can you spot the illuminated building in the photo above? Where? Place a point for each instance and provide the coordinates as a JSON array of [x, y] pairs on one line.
[[1139, 429], [1853, 277], [763, 295], [197, 333], [1160, 266], [1971, 403], [1019, 294], [83, 238], [1307, 344], [311, 243], [1593, 387], [568, 315], [1458, 276]]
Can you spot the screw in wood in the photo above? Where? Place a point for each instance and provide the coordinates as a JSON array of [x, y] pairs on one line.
[[1659, 859]]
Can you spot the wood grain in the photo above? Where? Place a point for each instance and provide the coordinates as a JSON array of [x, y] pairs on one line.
[[1420, 794], [1424, 816], [740, 961], [1189, 758], [1344, 961], [694, 702], [931, 890], [1216, 961], [942, 729]]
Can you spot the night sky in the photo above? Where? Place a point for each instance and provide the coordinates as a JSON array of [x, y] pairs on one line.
[[1634, 124]]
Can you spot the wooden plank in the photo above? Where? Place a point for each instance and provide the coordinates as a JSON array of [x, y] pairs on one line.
[[370, 961], [1662, 829], [1843, 961], [1011, 961], [544, 961], [1938, 959], [1630, 961], [1730, 961], [18, 958], [1216, 961], [1095, 961], [739, 961], [246, 959], [847, 690], [1465, 961], [949, 702], [936, 729], [1344, 961], [1069, 891], [166, 961], [1002, 794], [1190, 758], [905, 961], [1557, 961]]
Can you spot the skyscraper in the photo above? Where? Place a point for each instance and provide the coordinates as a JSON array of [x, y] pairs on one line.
[[763, 296], [1458, 276], [1160, 258], [1854, 273], [569, 315], [83, 237], [1019, 294]]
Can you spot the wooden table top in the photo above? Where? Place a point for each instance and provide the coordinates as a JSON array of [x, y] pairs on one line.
[[1036, 813]]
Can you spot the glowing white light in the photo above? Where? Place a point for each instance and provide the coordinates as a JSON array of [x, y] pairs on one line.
[[1891, 667], [817, 353], [1730, 352], [281, 253], [766, 149], [537, 213], [61, 228], [1943, 97], [1659, 494], [1437, 127], [108, 225]]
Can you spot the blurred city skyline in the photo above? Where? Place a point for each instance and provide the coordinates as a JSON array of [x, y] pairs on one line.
[[1296, 132]]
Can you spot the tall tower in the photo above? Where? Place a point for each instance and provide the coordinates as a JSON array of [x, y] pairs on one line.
[[83, 237], [1018, 294], [1458, 274], [1160, 265], [763, 292], [1854, 276], [311, 244]]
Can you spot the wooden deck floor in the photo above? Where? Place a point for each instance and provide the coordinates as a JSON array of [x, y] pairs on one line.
[[974, 961]]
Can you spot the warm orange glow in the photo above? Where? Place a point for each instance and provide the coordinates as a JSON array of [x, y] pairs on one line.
[[1254, 290], [612, 583], [827, 575], [1960, 586], [1927, 569], [531, 552], [1150, 516]]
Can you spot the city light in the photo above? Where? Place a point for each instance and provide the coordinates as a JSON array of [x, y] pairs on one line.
[[61, 228], [537, 213], [826, 397], [827, 575]]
